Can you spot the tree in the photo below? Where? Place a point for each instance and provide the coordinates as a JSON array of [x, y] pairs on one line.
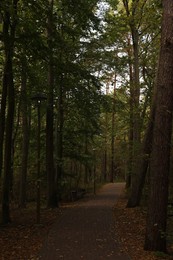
[[26, 63], [50, 168], [148, 38], [155, 238], [9, 29], [72, 73], [149, 63], [113, 132], [25, 132], [135, 41]]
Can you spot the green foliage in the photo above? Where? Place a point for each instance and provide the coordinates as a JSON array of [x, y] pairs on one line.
[[87, 47]]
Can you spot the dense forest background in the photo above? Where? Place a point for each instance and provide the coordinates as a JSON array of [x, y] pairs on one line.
[[78, 100]]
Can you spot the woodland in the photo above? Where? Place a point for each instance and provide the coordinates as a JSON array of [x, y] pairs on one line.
[[86, 97]]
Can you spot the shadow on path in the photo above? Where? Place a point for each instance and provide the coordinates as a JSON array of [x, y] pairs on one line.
[[86, 230]]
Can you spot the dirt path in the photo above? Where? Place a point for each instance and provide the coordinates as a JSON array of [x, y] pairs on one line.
[[86, 230]]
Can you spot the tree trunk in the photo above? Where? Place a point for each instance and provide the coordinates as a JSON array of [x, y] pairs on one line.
[[8, 150], [52, 192], [5, 83], [113, 135], [136, 109], [3, 112], [25, 139], [2, 115], [9, 36], [131, 98], [86, 163], [137, 188], [60, 135], [155, 238], [105, 156], [105, 161], [135, 145]]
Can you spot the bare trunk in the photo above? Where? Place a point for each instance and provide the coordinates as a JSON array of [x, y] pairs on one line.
[[60, 135], [113, 136], [135, 144], [137, 188], [52, 194], [8, 148], [136, 111], [86, 163], [2, 114], [105, 168], [155, 238], [25, 139], [9, 35], [4, 90], [131, 98]]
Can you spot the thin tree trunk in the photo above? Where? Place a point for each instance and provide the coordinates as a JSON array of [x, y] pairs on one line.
[[9, 35], [25, 139], [113, 135], [105, 156], [52, 192], [136, 190], [2, 114], [143, 161], [155, 238], [131, 98], [86, 163], [136, 110], [60, 135], [105, 168], [4, 89], [135, 145], [8, 151]]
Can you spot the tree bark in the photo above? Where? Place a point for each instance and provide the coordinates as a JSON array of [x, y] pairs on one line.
[[3, 111], [60, 135], [131, 98], [52, 201], [25, 140], [5, 83], [135, 144], [9, 38], [138, 185], [155, 239], [113, 135], [105, 161], [86, 163]]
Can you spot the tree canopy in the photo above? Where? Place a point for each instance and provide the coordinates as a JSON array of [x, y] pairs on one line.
[[78, 97]]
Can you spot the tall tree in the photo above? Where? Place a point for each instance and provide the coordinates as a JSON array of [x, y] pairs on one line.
[[112, 172], [155, 238], [50, 168], [9, 29], [148, 62], [72, 71], [25, 133], [130, 157]]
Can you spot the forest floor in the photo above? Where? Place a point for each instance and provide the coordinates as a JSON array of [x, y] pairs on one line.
[[22, 239], [131, 226]]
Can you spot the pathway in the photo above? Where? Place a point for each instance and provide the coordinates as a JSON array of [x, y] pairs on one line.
[[86, 230]]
